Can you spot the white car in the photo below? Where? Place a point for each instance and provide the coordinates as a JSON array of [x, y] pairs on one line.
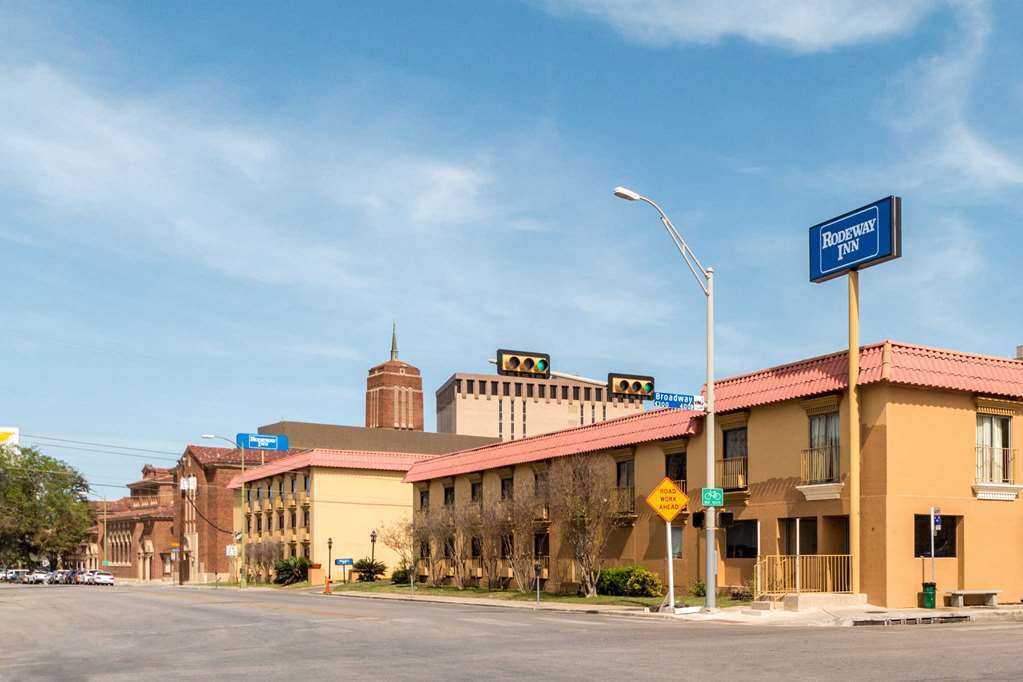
[[37, 577], [102, 578], [88, 576], [17, 575]]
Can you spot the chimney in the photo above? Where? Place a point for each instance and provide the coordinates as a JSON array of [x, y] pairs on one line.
[[1019, 352]]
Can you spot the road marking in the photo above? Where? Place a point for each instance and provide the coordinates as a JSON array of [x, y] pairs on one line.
[[494, 621], [573, 620], [980, 628]]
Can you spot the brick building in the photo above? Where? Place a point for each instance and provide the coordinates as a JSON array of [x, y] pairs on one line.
[[135, 533], [394, 393]]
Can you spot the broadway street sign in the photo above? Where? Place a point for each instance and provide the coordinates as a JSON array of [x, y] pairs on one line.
[[855, 240], [684, 401]]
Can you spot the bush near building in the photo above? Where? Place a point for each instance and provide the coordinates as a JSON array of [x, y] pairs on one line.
[[368, 569], [628, 581]]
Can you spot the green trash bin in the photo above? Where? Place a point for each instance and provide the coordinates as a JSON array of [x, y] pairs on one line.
[[930, 590]]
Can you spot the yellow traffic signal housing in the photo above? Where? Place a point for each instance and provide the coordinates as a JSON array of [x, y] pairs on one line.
[[630, 386], [523, 364]]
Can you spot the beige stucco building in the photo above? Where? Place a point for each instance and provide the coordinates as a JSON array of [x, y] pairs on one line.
[[511, 407], [300, 501], [937, 430]]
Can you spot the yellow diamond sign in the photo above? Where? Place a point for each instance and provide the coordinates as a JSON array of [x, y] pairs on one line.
[[667, 499]]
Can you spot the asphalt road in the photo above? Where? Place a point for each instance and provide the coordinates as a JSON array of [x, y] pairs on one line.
[[132, 633]]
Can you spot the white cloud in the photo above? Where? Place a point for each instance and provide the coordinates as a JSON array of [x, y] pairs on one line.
[[798, 25]]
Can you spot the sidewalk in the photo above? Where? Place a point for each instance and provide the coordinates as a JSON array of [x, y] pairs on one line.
[[738, 615]]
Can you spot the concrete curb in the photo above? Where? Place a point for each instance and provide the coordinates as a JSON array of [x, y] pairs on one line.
[[598, 609]]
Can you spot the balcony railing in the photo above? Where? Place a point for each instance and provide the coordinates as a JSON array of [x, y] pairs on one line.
[[731, 473], [819, 465], [681, 484], [625, 499], [792, 574], [995, 465]]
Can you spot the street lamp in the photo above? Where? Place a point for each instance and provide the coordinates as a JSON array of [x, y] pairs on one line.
[[242, 580], [705, 278], [373, 546], [330, 559]]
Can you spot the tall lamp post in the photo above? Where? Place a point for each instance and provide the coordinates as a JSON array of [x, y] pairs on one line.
[[242, 580], [373, 546], [705, 278], [330, 559]]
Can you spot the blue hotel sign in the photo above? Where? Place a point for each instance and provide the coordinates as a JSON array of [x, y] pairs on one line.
[[260, 441], [856, 240]]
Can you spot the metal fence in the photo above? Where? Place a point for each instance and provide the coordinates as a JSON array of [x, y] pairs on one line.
[[995, 465], [819, 465], [731, 473], [792, 574]]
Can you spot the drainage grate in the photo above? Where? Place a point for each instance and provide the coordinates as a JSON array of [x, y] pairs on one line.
[[922, 620]]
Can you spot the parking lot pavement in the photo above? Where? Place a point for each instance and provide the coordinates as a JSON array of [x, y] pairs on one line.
[[127, 632]]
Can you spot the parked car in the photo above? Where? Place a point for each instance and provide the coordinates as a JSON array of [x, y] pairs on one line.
[[37, 577], [102, 578], [17, 575], [88, 577]]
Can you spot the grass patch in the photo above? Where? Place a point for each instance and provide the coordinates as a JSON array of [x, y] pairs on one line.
[[512, 595]]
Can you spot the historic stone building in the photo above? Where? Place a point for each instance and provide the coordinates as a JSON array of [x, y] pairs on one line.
[[394, 394]]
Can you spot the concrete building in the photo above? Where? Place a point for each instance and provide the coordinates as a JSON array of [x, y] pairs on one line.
[[509, 408], [135, 534], [295, 504], [937, 430]]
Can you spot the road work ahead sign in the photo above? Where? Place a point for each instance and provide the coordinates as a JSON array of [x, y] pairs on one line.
[[855, 240], [667, 499]]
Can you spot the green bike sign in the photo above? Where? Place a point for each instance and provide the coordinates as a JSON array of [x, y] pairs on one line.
[[712, 497]]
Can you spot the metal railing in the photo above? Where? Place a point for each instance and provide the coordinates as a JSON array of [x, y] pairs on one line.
[[995, 465], [791, 574], [819, 465], [731, 473], [625, 499], [681, 484]]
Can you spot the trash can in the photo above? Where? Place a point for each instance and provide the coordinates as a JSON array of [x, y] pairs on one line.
[[929, 595]]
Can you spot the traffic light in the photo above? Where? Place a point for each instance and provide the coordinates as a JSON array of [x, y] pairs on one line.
[[698, 519], [630, 386], [726, 519], [519, 363]]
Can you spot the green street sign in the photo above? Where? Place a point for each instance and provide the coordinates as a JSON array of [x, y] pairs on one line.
[[106, 563], [712, 497]]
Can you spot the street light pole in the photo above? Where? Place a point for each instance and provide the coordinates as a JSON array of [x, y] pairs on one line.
[[373, 546], [705, 278], [330, 561]]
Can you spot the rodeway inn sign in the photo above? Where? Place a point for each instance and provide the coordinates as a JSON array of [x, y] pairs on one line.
[[857, 239]]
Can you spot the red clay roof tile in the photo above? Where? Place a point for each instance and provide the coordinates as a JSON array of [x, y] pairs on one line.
[[334, 459]]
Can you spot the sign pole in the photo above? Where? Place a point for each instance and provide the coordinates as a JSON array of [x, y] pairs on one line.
[[241, 561], [671, 567], [712, 565], [854, 429], [932, 545]]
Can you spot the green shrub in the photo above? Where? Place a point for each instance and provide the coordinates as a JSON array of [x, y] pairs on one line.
[[400, 576], [291, 571], [699, 589], [628, 581], [368, 569], [743, 592], [642, 583]]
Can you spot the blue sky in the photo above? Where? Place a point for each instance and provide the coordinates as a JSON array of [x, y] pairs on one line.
[[212, 214]]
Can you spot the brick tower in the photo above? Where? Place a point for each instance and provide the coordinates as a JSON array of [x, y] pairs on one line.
[[394, 393]]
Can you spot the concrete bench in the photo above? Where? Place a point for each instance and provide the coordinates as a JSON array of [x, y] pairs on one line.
[[958, 597]]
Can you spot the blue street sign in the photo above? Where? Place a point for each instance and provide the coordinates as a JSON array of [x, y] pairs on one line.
[[342, 562], [259, 441], [683, 401], [856, 240]]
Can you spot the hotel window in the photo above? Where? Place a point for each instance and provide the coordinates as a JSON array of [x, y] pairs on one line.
[[541, 544], [625, 471], [735, 443], [248, 523], [292, 486], [994, 458], [476, 492], [675, 467], [280, 488], [280, 521], [305, 483], [449, 496], [292, 520], [305, 518], [944, 539], [507, 488], [269, 522], [676, 542], [543, 390], [475, 548], [259, 523], [458, 386], [599, 395], [580, 414], [259, 494], [824, 430], [554, 391], [564, 392], [449, 547], [470, 386], [269, 492], [424, 500], [292, 550], [248, 494], [305, 549], [741, 540], [529, 390], [424, 549], [587, 393]]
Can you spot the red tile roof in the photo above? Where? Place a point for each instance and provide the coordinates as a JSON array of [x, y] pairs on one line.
[[899, 363], [333, 459], [613, 433], [213, 456]]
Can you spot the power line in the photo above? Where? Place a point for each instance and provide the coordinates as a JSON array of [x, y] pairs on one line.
[[102, 445], [105, 452]]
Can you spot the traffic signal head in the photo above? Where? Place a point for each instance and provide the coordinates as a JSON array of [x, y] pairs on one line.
[[726, 519], [698, 519], [523, 364], [630, 385]]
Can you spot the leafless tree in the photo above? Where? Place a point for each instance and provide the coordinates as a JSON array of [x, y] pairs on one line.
[[398, 537], [492, 526], [523, 511], [583, 504]]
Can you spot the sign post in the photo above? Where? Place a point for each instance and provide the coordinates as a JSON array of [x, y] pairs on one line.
[[866, 236], [668, 500], [935, 527]]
